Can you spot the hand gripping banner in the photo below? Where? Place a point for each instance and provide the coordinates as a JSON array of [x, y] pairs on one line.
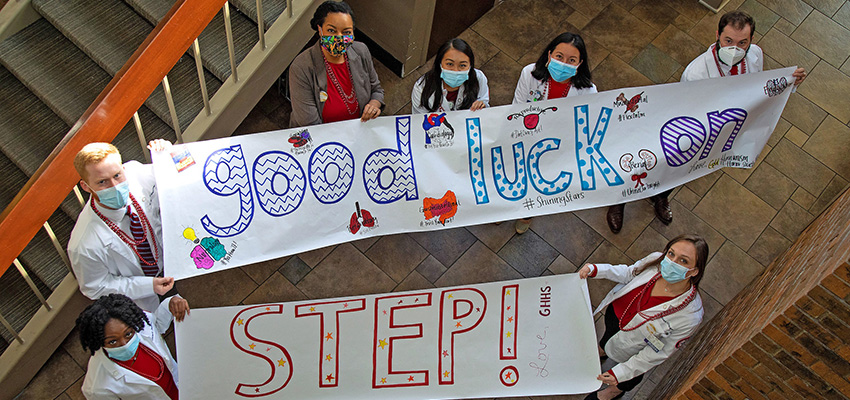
[[241, 200]]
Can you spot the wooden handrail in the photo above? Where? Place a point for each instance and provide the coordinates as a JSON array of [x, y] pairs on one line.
[[101, 122]]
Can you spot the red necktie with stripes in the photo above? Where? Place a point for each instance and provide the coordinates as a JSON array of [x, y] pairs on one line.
[[144, 249]]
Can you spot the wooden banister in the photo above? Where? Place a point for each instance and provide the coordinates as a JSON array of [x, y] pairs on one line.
[[101, 122]]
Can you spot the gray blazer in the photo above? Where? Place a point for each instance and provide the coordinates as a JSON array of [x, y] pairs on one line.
[[307, 78]]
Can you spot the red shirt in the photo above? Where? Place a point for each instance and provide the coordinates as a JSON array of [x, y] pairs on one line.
[[452, 96], [150, 365], [335, 108], [559, 89], [637, 302]]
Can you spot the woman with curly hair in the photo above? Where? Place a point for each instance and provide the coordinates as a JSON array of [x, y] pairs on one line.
[[653, 311], [130, 360]]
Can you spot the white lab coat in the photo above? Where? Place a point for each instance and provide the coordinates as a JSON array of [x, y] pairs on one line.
[[530, 89], [105, 379], [704, 66], [628, 346], [103, 263], [416, 95]]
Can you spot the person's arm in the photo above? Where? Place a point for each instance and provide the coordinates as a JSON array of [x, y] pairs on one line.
[[521, 91], [305, 111], [375, 106], [647, 357], [483, 99], [174, 307], [620, 273], [416, 97], [96, 281]]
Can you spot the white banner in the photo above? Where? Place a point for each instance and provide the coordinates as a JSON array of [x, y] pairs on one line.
[[239, 200], [515, 338]]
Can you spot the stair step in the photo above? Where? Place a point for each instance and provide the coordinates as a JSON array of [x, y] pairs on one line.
[[18, 303], [24, 121], [213, 40], [110, 42], [271, 9], [67, 81], [39, 257]]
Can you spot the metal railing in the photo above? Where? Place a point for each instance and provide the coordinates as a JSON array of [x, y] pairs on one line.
[[49, 172]]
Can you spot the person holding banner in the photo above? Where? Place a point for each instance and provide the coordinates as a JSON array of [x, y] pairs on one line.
[[732, 54], [652, 312], [135, 361], [116, 244], [334, 80], [562, 70], [453, 83]]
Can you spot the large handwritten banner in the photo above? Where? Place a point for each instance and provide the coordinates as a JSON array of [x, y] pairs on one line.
[[240, 200], [514, 338]]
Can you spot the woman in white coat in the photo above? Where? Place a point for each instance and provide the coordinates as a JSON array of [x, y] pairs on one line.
[[453, 83], [651, 313], [130, 360], [562, 70]]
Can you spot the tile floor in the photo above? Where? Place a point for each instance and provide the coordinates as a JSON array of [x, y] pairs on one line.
[[630, 43]]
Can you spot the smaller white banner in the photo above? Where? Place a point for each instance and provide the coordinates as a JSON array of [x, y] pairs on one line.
[[525, 337]]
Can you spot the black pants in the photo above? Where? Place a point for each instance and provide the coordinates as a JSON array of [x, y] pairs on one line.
[[612, 326]]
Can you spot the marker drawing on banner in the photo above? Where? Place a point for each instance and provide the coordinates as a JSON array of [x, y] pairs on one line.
[[285, 192], [484, 340]]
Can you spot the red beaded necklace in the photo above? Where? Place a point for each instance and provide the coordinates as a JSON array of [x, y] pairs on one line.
[[647, 318], [131, 241], [347, 99]]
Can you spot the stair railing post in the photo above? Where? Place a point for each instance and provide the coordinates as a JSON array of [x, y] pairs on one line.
[[62, 253], [79, 196], [229, 31], [32, 284], [196, 50], [261, 24], [171, 109], [9, 328], [141, 133]]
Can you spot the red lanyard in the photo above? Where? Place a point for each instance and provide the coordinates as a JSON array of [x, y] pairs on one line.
[[662, 314], [130, 241]]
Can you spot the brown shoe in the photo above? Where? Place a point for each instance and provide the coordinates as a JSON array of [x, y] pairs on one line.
[[615, 217], [662, 209]]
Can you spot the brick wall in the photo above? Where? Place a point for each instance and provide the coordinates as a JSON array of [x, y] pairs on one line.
[[786, 335]]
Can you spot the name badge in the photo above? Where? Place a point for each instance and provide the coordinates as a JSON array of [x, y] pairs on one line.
[[651, 340]]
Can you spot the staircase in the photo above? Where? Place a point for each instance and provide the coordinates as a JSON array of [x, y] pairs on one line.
[[53, 69]]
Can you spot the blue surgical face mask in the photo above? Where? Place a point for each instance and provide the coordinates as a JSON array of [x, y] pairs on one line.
[[454, 78], [560, 71], [672, 272], [126, 351], [115, 197]]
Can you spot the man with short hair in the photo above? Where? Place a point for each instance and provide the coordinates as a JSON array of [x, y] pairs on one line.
[[732, 54], [116, 244]]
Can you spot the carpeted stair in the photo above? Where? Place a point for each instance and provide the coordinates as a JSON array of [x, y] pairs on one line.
[[52, 70]]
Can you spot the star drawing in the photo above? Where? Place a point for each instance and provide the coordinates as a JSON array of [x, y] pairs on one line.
[[240, 321], [508, 334], [382, 343], [281, 362], [446, 374], [383, 380], [458, 325], [329, 357], [508, 375], [445, 353], [410, 378], [252, 346], [312, 308], [329, 336], [508, 293], [510, 319], [329, 378]]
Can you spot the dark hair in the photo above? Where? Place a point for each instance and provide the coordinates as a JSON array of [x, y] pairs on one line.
[[702, 256], [738, 20], [433, 89], [92, 320], [582, 78], [326, 8]]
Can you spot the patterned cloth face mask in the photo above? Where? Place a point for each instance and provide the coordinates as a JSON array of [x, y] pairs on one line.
[[337, 44]]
